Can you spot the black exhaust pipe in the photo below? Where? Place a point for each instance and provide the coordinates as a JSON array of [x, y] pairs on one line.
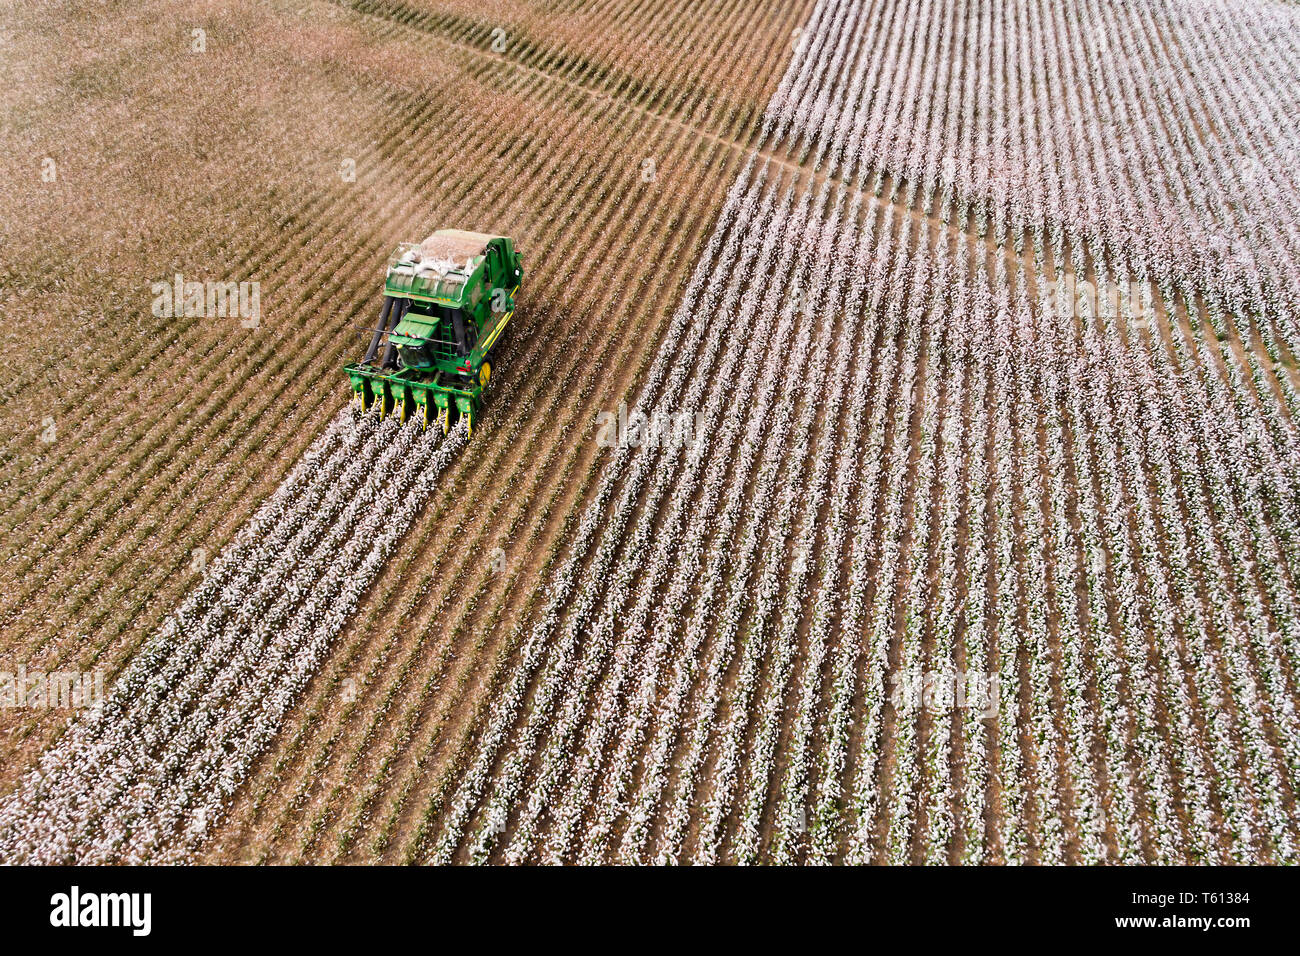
[[380, 329], [390, 353], [458, 328]]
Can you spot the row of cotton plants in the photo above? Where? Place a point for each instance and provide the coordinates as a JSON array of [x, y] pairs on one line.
[[823, 818], [952, 357], [218, 763], [1047, 743], [907, 741]]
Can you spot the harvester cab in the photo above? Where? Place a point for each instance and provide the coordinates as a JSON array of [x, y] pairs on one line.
[[446, 302]]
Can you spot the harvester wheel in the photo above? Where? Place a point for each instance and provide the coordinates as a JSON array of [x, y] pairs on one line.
[[485, 374]]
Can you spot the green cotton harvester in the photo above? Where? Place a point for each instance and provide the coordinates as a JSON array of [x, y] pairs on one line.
[[446, 302]]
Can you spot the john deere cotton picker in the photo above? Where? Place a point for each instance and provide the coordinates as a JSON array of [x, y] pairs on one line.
[[446, 302]]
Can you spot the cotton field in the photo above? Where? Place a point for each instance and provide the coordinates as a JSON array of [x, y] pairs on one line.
[[974, 538]]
